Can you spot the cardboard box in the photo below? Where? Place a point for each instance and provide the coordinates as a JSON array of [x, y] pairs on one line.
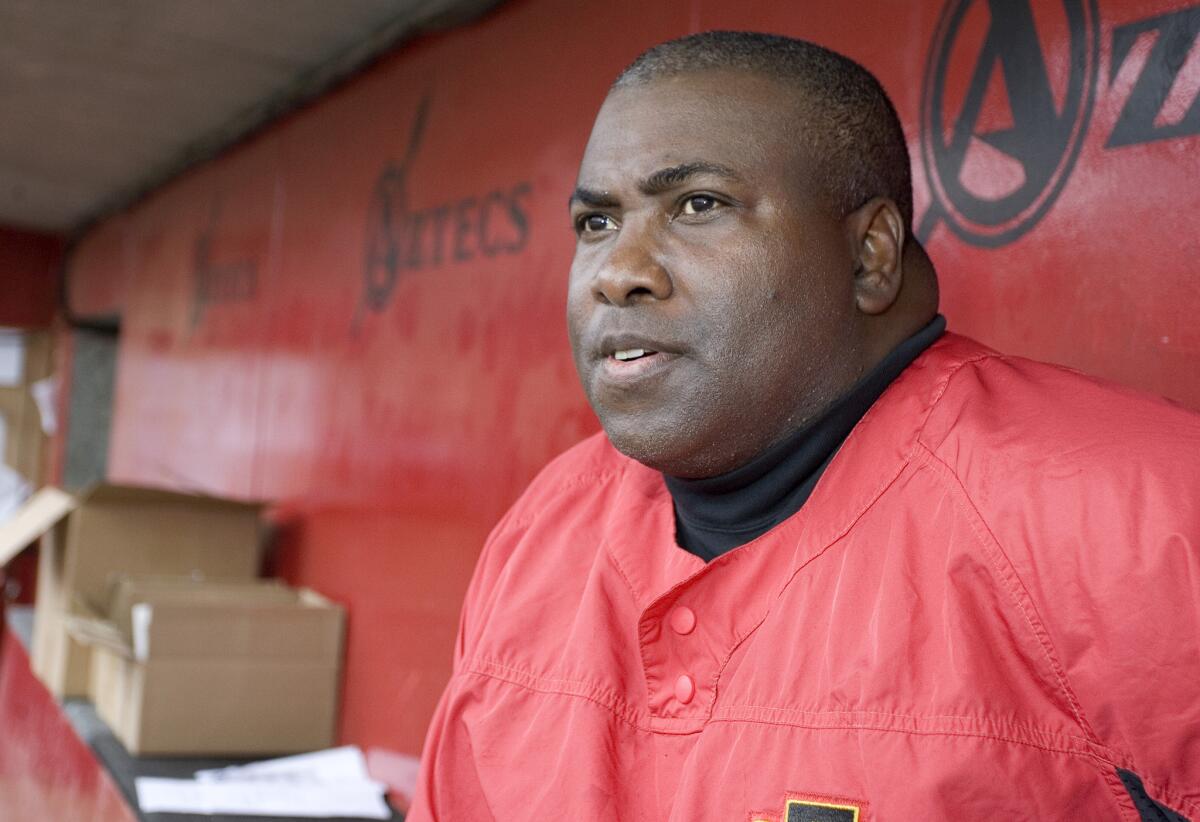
[[127, 590], [110, 530], [216, 669]]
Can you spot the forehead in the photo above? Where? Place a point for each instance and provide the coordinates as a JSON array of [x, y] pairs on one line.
[[744, 121]]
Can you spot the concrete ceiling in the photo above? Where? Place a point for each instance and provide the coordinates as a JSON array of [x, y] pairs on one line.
[[102, 101]]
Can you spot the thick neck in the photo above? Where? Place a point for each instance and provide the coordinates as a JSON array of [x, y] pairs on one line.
[[716, 514]]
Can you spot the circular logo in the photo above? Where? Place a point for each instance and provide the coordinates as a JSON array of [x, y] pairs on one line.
[[1002, 122]]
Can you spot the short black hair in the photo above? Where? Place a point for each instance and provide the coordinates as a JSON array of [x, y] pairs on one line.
[[860, 140]]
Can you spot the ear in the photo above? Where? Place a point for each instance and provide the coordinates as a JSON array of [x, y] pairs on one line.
[[877, 234]]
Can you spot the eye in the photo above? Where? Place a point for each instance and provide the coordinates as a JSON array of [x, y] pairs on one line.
[[594, 223], [699, 204]]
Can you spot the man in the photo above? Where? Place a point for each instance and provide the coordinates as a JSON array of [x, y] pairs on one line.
[[826, 562]]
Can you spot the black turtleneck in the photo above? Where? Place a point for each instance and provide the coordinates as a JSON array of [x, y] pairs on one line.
[[717, 514]]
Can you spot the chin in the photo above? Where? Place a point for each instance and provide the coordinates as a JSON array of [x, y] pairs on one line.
[[657, 450], [675, 452]]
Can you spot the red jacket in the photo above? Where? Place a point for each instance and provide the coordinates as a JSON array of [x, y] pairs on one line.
[[989, 605]]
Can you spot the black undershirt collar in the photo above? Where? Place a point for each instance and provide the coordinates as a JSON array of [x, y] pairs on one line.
[[717, 514]]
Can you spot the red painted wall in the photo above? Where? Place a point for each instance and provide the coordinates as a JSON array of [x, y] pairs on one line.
[[359, 314], [29, 263]]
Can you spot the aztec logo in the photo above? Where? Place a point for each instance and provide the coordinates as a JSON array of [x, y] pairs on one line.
[[405, 240], [995, 167], [809, 808]]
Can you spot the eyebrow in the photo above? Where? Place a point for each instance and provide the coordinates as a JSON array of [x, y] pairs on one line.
[[667, 178], [592, 198], [656, 183]]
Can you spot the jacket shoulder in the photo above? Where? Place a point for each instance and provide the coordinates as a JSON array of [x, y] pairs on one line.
[[590, 461], [1026, 414], [563, 485]]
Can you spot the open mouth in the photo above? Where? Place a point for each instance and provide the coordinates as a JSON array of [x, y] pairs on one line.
[[628, 359], [629, 366], [630, 354]]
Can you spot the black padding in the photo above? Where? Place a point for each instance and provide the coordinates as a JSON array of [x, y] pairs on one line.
[[1147, 808]]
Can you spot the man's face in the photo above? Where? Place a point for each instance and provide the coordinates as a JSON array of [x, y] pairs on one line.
[[711, 299]]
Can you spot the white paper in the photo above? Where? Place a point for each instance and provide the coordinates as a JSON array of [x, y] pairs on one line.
[[265, 797], [12, 358], [321, 784], [141, 614], [45, 395], [333, 765], [14, 490]]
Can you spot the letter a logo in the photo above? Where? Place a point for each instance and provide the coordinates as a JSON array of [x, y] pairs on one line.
[[999, 147]]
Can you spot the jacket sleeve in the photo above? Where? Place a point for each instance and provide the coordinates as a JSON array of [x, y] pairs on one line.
[[1125, 619], [1095, 501], [448, 761], [447, 769]]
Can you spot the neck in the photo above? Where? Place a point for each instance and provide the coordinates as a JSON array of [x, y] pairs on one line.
[[716, 514]]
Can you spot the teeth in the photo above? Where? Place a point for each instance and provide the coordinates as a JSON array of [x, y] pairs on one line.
[[630, 354]]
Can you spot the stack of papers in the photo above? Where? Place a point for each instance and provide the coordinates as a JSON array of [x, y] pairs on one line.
[[331, 783]]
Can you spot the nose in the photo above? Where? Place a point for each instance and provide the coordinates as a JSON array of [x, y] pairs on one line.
[[632, 271]]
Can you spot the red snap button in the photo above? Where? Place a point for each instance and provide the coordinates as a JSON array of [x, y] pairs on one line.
[[685, 688], [683, 620]]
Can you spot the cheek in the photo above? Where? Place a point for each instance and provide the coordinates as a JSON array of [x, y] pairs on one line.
[[758, 290], [578, 307], [779, 319]]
